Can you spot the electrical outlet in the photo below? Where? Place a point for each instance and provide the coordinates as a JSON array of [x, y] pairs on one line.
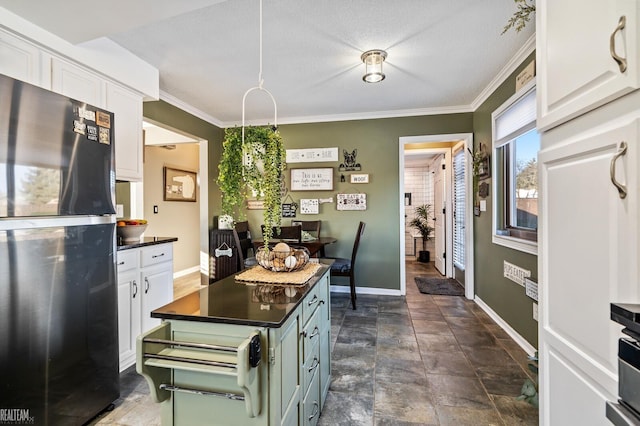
[[155, 209], [535, 311]]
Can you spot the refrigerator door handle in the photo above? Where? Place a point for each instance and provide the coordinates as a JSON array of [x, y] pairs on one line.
[[135, 289], [146, 285]]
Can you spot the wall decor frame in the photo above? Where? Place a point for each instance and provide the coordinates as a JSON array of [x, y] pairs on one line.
[[359, 178], [179, 184], [311, 155], [320, 179], [351, 202]]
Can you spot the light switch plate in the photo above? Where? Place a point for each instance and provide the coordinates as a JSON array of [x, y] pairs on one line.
[[119, 210], [483, 205]]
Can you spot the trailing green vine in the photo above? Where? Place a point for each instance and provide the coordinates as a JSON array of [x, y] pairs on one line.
[[261, 173], [521, 16]]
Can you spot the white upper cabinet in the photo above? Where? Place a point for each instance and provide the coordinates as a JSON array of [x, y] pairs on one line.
[[127, 108], [19, 59], [587, 55], [77, 83]]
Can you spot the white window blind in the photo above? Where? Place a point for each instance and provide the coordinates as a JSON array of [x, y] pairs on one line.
[[459, 192], [518, 118]]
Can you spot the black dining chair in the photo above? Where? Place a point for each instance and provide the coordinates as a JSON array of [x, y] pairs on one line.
[[242, 228], [288, 233], [311, 226], [346, 267]]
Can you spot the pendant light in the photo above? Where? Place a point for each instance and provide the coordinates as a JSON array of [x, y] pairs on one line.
[[259, 87]]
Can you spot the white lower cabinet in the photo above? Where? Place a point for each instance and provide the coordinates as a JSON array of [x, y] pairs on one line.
[[145, 283]]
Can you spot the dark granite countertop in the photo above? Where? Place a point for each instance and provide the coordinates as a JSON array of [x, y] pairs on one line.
[[230, 302], [146, 241]]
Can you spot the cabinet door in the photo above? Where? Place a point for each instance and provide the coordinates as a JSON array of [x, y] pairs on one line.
[[20, 60], [128, 316], [588, 259], [127, 109], [576, 70], [157, 290], [77, 83]]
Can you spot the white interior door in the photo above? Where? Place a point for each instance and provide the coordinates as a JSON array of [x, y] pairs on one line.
[[440, 219]]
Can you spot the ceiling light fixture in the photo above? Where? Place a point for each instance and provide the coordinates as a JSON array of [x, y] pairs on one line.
[[373, 60]]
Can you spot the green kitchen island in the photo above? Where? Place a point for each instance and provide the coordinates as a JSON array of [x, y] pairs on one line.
[[236, 353]]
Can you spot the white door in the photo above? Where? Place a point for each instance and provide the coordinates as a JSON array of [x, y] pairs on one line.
[[440, 219], [157, 290], [588, 259], [459, 204]]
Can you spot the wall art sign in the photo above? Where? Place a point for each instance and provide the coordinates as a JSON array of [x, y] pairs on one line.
[[179, 185], [350, 164], [255, 204], [359, 178], [309, 206], [312, 155], [289, 208], [351, 201], [312, 179]]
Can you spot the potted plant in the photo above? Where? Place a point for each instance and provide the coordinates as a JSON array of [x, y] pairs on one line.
[[253, 166], [422, 222]]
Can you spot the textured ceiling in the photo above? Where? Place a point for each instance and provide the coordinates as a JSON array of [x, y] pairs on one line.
[[441, 53]]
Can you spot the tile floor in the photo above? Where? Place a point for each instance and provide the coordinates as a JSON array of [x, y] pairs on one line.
[[419, 360]]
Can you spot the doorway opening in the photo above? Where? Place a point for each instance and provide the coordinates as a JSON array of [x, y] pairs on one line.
[[435, 170], [168, 147]]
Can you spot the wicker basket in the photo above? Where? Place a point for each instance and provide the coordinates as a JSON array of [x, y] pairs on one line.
[[282, 257]]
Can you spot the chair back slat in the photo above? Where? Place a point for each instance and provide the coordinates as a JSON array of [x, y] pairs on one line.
[[309, 226]]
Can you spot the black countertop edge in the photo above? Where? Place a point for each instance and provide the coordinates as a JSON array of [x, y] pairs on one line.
[[189, 303], [146, 241]]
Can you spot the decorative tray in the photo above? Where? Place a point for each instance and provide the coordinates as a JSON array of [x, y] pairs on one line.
[[260, 275]]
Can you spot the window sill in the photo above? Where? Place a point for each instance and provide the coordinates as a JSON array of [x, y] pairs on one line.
[[514, 243]]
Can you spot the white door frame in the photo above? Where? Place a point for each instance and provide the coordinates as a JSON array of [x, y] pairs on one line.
[[467, 138]]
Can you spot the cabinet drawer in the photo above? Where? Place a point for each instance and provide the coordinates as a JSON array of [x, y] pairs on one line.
[[310, 304], [310, 334], [156, 254], [310, 367], [311, 404], [127, 259]]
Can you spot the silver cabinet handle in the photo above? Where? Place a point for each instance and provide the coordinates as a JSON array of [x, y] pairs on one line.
[[121, 263], [314, 333], [315, 410], [622, 189], [135, 289], [312, 301], [155, 256], [622, 62], [146, 285], [315, 365]]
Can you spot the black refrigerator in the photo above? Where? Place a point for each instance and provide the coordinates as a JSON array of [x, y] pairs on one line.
[[58, 290]]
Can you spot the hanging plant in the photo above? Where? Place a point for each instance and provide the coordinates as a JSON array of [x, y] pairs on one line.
[[260, 173], [521, 16]]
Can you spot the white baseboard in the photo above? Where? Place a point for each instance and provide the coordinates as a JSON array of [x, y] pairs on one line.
[[365, 290], [186, 272], [521, 341]]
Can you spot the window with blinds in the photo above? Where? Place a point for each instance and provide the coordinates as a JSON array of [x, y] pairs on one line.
[[459, 192]]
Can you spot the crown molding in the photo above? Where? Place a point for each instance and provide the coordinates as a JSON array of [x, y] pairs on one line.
[[528, 47], [178, 103], [358, 116]]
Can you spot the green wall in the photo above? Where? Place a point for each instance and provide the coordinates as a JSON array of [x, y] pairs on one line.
[[505, 297], [377, 142], [172, 116]]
